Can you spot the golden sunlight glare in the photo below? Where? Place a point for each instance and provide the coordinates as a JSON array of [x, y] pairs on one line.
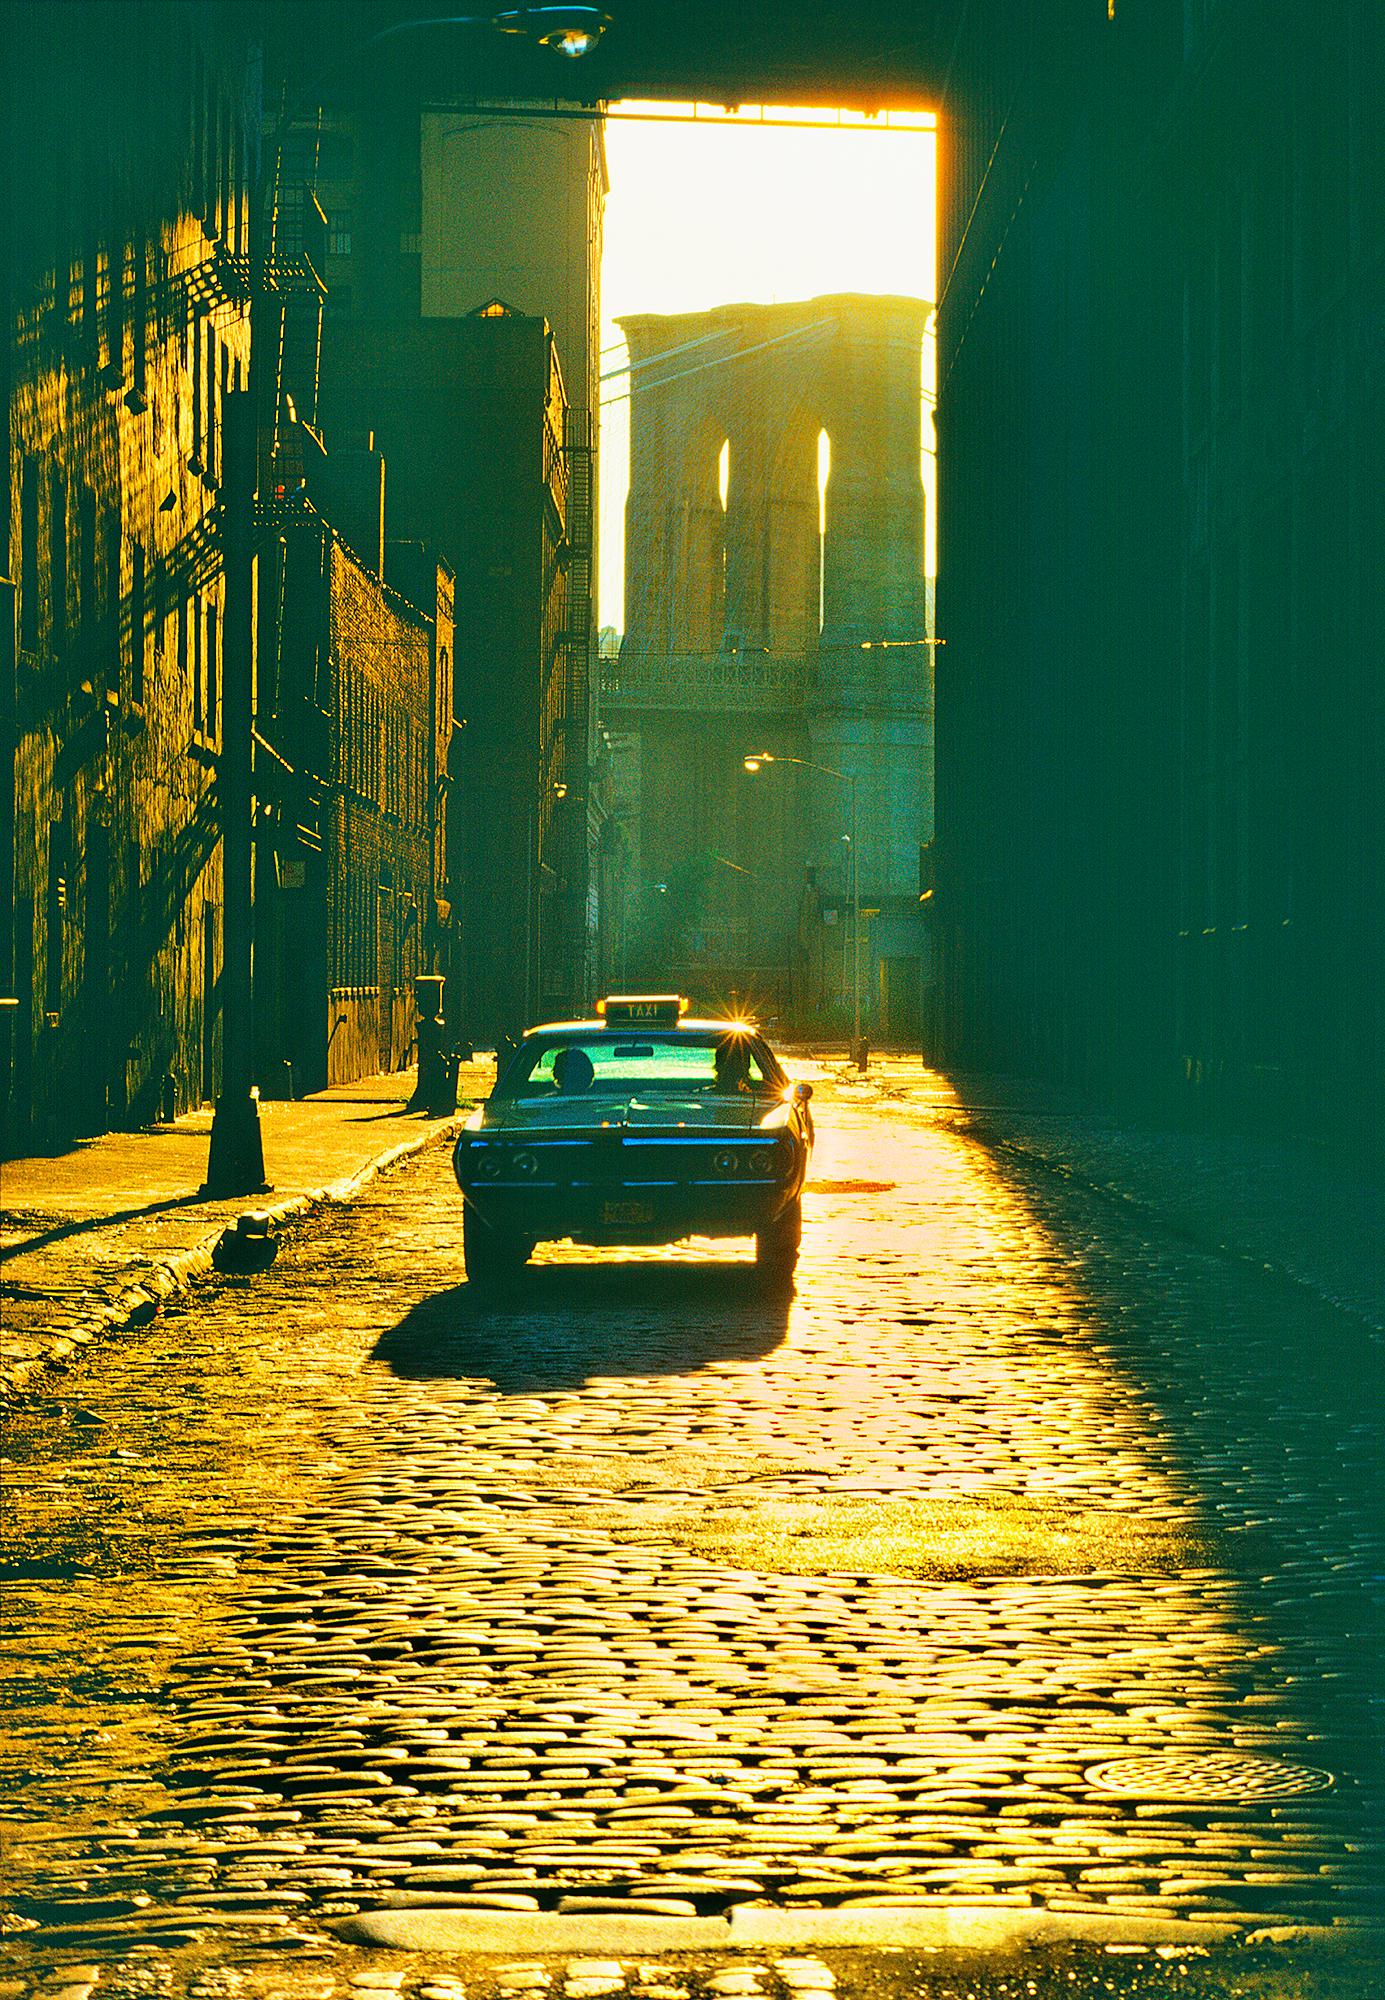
[[747, 207]]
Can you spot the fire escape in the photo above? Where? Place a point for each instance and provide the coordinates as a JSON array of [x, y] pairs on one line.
[[580, 720], [292, 748]]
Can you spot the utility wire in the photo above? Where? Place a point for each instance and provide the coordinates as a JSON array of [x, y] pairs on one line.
[[723, 360], [664, 354]]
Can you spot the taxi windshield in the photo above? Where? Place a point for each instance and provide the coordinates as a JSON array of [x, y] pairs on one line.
[[617, 1062]]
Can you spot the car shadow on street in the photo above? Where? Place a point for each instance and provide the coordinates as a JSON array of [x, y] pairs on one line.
[[559, 1326]]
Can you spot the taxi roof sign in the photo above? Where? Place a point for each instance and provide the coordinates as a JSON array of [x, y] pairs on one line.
[[643, 1010]]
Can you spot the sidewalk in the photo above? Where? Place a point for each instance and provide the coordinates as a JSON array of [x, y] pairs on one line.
[[1285, 1206], [92, 1239]]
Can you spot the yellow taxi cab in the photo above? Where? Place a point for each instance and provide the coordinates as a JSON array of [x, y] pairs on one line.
[[641, 1125]]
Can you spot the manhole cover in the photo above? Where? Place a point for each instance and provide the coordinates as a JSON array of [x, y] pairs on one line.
[[1214, 1775]]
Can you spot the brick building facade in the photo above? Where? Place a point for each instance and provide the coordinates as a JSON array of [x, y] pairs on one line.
[[126, 322], [352, 897]]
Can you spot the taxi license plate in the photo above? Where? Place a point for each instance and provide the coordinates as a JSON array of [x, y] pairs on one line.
[[627, 1211]]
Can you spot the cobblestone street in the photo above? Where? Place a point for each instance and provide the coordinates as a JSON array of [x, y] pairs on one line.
[[1023, 1569]]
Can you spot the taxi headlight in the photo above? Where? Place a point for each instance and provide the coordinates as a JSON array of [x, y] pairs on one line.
[[760, 1160], [724, 1162], [490, 1164], [524, 1163]]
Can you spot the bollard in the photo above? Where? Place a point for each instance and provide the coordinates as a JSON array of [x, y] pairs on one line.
[[445, 1102], [250, 1246]]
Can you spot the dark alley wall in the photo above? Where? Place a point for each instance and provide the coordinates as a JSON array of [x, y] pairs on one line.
[[1159, 721]]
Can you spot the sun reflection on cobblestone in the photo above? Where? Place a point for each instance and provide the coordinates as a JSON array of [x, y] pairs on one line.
[[358, 1594]]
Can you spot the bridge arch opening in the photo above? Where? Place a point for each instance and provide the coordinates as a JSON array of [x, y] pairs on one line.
[[824, 477], [772, 399]]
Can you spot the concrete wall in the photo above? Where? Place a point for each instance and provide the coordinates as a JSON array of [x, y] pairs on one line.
[[539, 249]]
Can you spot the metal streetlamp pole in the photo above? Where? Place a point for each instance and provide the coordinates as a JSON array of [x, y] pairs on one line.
[[752, 763], [235, 1157], [855, 919]]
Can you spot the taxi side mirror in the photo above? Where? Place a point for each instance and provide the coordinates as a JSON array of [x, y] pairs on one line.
[[802, 1092]]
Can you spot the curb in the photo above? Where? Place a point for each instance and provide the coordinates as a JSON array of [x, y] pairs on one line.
[[1146, 1208], [135, 1305], [956, 1928], [1150, 1209]]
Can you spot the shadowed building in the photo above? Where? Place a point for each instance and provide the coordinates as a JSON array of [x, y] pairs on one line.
[[1161, 422], [441, 224], [125, 328], [775, 599], [471, 417]]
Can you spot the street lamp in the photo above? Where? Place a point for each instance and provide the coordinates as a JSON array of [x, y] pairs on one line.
[[755, 761], [235, 1160], [568, 31]]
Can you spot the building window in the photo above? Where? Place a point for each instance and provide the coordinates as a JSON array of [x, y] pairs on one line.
[[211, 172], [28, 556], [195, 455], [139, 324], [110, 623], [194, 644], [207, 353], [87, 607], [334, 155], [57, 919], [216, 193], [139, 622], [90, 314], [339, 232], [238, 198], [223, 354], [57, 560], [199, 131], [106, 327], [121, 315], [212, 692]]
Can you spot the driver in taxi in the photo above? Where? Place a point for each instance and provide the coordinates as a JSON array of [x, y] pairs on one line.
[[731, 1064], [573, 1072]]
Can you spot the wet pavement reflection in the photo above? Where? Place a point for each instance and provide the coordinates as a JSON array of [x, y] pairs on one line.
[[1024, 1559]]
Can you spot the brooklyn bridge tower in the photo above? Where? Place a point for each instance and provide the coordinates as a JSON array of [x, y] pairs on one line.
[[775, 601]]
